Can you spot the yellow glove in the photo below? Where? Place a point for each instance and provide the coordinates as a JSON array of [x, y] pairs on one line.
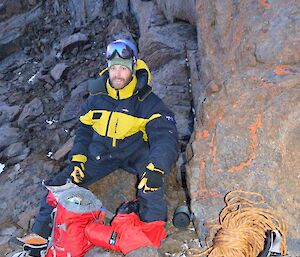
[[78, 168], [152, 179]]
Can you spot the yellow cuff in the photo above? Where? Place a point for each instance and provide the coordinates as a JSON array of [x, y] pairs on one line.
[[79, 158], [151, 167]]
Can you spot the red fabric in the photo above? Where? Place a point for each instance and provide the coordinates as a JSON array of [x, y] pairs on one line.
[[51, 199], [69, 237], [132, 233], [100, 234], [136, 233]]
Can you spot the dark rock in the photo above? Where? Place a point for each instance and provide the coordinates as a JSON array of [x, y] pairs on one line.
[[117, 29], [80, 90], [27, 179], [59, 95], [98, 252], [71, 109], [22, 156], [12, 62], [47, 79], [170, 82], [8, 113], [9, 136], [69, 42], [162, 44], [144, 251], [30, 111], [144, 13], [178, 10], [120, 6], [15, 98], [196, 83], [12, 31], [86, 11], [16, 149], [58, 71]]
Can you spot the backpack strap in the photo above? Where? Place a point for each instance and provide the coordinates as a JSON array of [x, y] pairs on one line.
[[144, 89]]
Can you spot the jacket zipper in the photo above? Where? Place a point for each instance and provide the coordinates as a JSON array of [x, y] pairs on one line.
[[116, 126], [114, 140], [109, 117]]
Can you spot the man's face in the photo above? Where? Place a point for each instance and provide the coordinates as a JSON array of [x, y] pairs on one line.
[[119, 76]]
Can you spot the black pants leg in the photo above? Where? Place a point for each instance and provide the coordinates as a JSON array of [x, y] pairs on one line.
[[94, 172], [152, 204]]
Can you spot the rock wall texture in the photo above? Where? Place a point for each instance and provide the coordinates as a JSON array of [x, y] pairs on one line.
[[245, 80], [246, 134]]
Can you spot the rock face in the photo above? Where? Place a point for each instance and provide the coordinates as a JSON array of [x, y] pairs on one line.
[[12, 30], [230, 71], [246, 133]]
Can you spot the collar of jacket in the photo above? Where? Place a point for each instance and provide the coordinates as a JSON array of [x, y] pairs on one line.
[[142, 87], [123, 93]]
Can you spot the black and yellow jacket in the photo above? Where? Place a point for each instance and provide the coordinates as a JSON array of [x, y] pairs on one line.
[[122, 122]]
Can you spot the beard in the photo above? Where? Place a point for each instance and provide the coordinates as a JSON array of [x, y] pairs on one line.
[[119, 83]]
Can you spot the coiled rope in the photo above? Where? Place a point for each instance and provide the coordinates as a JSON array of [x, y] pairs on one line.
[[241, 227]]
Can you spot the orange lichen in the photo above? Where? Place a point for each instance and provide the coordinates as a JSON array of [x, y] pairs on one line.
[[265, 4], [213, 153], [254, 142], [281, 70], [202, 134]]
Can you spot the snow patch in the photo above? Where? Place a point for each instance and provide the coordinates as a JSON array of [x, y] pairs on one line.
[[2, 166]]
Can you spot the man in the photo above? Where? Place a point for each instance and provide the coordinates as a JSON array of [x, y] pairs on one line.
[[123, 125]]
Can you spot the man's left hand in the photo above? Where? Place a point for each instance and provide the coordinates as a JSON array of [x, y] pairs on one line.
[[152, 179]]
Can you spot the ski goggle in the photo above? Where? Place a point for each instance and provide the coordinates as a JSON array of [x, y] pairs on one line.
[[123, 51]]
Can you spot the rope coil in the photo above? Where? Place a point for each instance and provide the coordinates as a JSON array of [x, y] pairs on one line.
[[241, 227]]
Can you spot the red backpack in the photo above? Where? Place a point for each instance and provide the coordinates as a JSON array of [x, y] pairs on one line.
[[75, 208]]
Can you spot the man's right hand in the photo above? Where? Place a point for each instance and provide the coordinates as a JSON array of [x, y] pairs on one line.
[[77, 163]]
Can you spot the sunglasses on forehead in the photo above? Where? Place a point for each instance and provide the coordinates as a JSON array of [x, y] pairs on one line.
[[119, 48]]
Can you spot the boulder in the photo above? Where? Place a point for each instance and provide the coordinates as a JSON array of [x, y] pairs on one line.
[[20, 183], [9, 136], [280, 43], [12, 31], [31, 110], [58, 71], [69, 42], [248, 113], [71, 109], [16, 152], [170, 82], [178, 10], [143, 12], [8, 113], [162, 44], [85, 11], [121, 6]]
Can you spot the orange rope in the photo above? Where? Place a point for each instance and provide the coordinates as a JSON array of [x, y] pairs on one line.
[[242, 226]]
